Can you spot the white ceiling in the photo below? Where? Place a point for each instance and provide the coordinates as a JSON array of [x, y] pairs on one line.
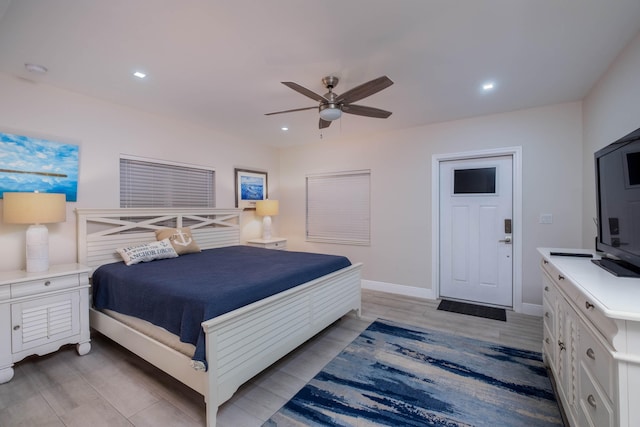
[[219, 63]]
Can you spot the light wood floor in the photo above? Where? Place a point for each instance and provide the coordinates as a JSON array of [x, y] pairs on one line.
[[112, 387]]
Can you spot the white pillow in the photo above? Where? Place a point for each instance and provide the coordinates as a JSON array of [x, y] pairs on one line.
[[147, 252]]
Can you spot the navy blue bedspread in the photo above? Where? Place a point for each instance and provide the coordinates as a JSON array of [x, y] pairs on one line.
[[179, 294]]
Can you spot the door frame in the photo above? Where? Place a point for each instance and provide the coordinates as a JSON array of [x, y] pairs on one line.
[[516, 155]]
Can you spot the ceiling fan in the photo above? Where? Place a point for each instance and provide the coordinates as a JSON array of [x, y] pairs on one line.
[[333, 105]]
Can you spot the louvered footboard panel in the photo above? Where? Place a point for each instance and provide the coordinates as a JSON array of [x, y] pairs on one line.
[[252, 339]]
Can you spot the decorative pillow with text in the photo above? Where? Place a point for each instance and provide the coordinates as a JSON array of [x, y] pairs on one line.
[[181, 239], [147, 252]]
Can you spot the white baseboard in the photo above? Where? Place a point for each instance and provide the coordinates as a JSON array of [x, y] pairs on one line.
[[409, 291], [412, 291], [532, 309]]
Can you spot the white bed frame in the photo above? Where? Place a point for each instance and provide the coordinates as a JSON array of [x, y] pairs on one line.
[[239, 344]]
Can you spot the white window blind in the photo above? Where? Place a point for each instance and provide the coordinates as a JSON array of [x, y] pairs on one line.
[[151, 183], [338, 208]]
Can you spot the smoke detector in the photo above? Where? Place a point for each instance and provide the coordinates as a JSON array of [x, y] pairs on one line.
[[35, 68]]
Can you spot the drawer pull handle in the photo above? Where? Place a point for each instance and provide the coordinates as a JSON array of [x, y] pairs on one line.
[[591, 354], [561, 345], [546, 288], [547, 315], [592, 401], [15, 328], [545, 261], [560, 277], [588, 305]]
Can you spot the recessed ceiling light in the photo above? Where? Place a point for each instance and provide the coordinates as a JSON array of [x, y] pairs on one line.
[[140, 74], [488, 86], [35, 68], [284, 128]]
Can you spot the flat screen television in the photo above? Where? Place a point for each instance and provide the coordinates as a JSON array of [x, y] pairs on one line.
[[618, 202]]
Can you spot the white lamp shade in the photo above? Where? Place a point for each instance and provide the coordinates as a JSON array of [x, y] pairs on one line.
[[34, 208], [267, 207]]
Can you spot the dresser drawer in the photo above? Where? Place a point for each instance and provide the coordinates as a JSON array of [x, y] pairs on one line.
[[44, 285], [548, 315], [549, 346], [549, 268], [597, 360], [559, 279], [594, 406], [5, 293], [595, 316]]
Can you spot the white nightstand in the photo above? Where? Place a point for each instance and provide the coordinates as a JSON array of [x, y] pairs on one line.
[[39, 312], [274, 243]]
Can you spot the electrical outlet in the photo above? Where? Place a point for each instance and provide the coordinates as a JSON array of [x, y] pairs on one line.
[[546, 219]]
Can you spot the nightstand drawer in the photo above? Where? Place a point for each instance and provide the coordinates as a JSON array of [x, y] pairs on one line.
[[34, 287], [276, 245]]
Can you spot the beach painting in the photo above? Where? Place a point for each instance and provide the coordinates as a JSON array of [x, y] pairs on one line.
[[32, 164], [251, 186]]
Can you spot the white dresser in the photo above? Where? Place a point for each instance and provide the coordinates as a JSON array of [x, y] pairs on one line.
[[39, 312], [592, 340]]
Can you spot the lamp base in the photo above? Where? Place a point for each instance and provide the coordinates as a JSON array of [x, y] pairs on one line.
[[37, 248], [266, 227]]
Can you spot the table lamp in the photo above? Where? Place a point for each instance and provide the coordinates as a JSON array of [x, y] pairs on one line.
[[266, 209], [36, 209]]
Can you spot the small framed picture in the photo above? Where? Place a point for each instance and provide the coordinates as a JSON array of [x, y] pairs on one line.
[[251, 186]]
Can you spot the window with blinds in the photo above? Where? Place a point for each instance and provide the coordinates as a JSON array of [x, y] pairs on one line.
[[338, 208], [154, 184]]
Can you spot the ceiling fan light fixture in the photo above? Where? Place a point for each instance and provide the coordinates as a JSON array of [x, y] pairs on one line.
[[330, 112]]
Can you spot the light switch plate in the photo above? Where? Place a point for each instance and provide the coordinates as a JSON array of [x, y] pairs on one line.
[[546, 219]]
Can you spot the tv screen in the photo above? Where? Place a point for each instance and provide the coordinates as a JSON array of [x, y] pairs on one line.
[[618, 199]]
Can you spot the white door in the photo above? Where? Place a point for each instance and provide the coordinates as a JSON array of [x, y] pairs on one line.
[[476, 205]]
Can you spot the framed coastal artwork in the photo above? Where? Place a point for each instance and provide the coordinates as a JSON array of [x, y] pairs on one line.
[[251, 186], [32, 164]]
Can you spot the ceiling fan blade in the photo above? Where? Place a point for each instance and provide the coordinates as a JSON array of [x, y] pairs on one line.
[[305, 91], [291, 111], [364, 90], [362, 110], [323, 124]]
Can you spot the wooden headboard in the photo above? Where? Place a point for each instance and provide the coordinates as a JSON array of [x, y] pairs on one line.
[[102, 231]]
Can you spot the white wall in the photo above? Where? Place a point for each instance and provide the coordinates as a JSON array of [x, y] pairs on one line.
[[611, 110], [557, 170], [103, 131], [400, 163]]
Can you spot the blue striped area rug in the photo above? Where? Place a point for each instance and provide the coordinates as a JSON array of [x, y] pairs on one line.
[[399, 375]]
